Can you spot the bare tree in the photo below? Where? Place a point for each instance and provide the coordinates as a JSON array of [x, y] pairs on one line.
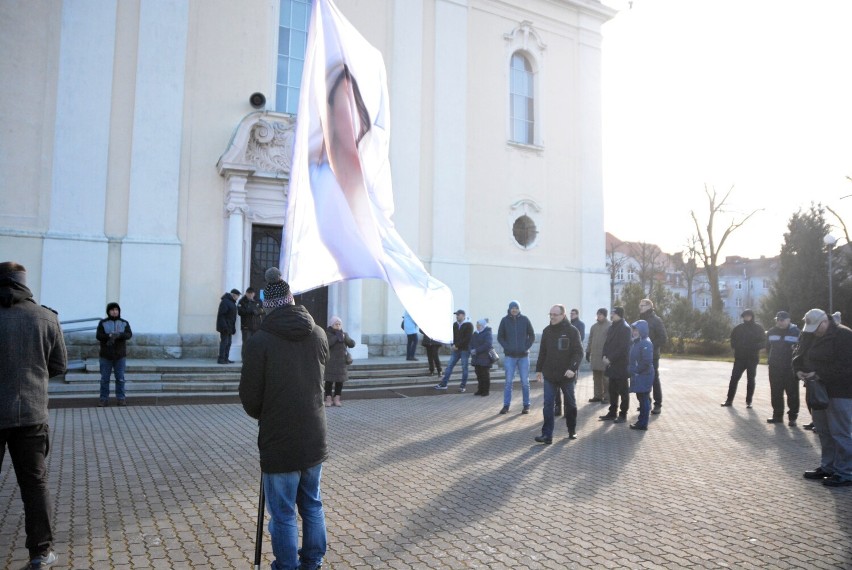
[[684, 262], [650, 261], [708, 248], [615, 261]]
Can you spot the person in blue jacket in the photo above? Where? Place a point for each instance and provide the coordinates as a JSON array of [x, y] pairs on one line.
[[480, 348], [516, 335], [641, 371]]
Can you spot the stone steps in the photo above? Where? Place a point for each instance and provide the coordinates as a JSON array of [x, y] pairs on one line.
[[202, 381]]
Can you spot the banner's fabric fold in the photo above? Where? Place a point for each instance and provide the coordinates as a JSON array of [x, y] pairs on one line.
[[340, 200]]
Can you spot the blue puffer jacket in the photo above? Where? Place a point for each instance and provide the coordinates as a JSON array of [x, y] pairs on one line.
[[481, 343], [641, 360]]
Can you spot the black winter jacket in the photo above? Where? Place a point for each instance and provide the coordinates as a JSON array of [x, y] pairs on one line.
[[747, 339], [250, 311], [830, 356], [281, 385], [780, 344], [619, 341], [656, 330], [461, 335], [560, 350], [113, 335], [32, 350], [226, 318]]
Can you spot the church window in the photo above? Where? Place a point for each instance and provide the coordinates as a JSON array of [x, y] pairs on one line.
[[292, 43]]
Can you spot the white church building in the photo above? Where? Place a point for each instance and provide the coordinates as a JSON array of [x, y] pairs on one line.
[[135, 168]]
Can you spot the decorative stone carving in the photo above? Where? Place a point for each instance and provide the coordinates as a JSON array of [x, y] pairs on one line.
[[270, 146], [520, 38]]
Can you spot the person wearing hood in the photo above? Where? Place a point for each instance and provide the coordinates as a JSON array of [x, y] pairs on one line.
[[659, 337], [281, 385], [113, 334], [559, 357], [32, 350], [824, 354], [226, 324], [516, 335], [462, 333], [616, 356], [641, 369], [480, 349], [337, 372], [747, 339]]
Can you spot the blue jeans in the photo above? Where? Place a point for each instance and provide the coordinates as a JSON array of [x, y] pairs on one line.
[[284, 493], [464, 356], [567, 389], [834, 427], [644, 408], [107, 368], [522, 364]]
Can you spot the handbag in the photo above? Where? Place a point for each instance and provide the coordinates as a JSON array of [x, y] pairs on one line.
[[348, 358], [492, 354], [815, 393]]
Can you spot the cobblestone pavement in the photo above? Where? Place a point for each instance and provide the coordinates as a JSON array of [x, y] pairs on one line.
[[446, 482]]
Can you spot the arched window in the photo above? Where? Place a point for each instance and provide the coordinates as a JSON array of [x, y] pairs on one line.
[[292, 42], [522, 99]]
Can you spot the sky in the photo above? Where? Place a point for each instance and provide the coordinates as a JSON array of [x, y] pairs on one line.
[[750, 94]]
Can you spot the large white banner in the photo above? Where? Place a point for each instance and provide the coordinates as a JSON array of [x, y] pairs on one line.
[[340, 200]]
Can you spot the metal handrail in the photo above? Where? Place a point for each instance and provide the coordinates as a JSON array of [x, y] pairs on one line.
[[79, 329]]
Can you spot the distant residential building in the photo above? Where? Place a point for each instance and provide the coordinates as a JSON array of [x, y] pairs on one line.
[[743, 282]]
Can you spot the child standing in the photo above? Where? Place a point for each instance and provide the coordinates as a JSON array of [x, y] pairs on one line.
[[641, 371]]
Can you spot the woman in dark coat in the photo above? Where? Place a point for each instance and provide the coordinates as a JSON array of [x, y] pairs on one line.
[[336, 372], [480, 348]]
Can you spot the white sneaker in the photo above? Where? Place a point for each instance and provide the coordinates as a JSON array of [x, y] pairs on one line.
[[462, 390], [43, 561], [439, 387]]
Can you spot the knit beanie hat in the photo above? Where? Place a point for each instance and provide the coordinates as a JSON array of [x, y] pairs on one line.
[[334, 319], [482, 322], [618, 311], [277, 291]]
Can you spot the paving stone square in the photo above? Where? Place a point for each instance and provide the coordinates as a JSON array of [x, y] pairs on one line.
[[446, 482]]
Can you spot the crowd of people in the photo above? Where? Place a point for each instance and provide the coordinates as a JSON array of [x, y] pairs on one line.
[[292, 369]]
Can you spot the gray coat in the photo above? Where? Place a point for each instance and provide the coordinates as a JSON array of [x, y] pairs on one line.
[[335, 370], [597, 337], [32, 350]]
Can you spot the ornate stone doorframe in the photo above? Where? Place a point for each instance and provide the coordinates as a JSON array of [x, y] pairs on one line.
[[256, 168]]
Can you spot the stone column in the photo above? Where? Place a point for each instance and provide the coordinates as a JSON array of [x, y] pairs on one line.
[[234, 272]]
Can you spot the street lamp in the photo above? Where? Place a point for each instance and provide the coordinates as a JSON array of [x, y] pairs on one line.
[[830, 240]]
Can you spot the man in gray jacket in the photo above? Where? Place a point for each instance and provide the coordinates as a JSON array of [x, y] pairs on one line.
[[594, 356], [31, 351]]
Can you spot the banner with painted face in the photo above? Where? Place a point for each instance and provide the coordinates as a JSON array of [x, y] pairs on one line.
[[340, 200]]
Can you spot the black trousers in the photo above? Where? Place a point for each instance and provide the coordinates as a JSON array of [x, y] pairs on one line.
[[28, 448], [434, 358], [338, 388], [619, 387], [224, 346], [658, 390], [483, 379], [749, 366], [783, 381]]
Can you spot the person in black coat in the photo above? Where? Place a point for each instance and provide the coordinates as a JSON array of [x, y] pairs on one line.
[[747, 339], [616, 357], [113, 333], [226, 324], [559, 357], [432, 347], [281, 385]]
